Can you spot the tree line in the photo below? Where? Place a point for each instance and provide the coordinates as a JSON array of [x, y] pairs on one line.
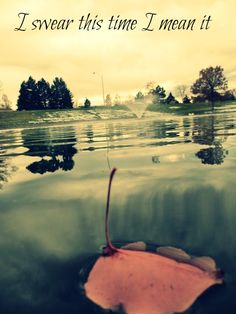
[[38, 95], [211, 86]]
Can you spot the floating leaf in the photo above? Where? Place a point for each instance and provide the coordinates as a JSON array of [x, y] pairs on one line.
[[142, 282]]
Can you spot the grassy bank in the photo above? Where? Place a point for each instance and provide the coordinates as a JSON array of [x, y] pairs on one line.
[[196, 109], [21, 119]]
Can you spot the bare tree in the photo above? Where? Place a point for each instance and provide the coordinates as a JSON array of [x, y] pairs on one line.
[[117, 100], [181, 90], [150, 86], [108, 101], [5, 103]]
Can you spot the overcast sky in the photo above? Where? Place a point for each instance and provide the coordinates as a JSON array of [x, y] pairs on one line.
[[127, 60]]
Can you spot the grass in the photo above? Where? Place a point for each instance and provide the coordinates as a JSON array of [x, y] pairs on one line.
[[186, 109], [21, 119]]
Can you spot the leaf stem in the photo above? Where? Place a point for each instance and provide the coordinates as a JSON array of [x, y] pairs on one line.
[[110, 249]]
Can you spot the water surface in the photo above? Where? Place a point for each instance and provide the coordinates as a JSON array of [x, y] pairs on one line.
[[175, 185]]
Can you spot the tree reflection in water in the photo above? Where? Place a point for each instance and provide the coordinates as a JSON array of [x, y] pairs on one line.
[[205, 133], [213, 155], [6, 169], [54, 145]]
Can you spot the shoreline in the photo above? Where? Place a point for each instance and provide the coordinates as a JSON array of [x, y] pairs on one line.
[[10, 120]]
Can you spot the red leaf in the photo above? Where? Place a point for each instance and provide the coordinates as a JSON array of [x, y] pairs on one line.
[[165, 282]]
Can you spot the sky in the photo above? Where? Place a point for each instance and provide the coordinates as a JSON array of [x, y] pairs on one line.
[[126, 60]]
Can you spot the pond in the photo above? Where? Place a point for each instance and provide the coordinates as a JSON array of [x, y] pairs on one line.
[[175, 185]]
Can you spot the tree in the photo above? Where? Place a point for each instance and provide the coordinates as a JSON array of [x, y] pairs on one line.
[[5, 103], [150, 86], [61, 97], [181, 90], [171, 99], [87, 103], [159, 93], [228, 95], [186, 100], [108, 101], [210, 84], [23, 95], [28, 95], [198, 99], [117, 100], [39, 95], [139, 96], [44, 94]]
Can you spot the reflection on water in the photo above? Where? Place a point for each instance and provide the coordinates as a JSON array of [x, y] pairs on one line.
[[205, 132], [6, 170], [54, 143], [175, 186], [89, 133], [213, 155], [155, 159], [6, 167]]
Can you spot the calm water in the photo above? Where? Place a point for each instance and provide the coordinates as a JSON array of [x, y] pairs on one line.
[[175, 185]]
